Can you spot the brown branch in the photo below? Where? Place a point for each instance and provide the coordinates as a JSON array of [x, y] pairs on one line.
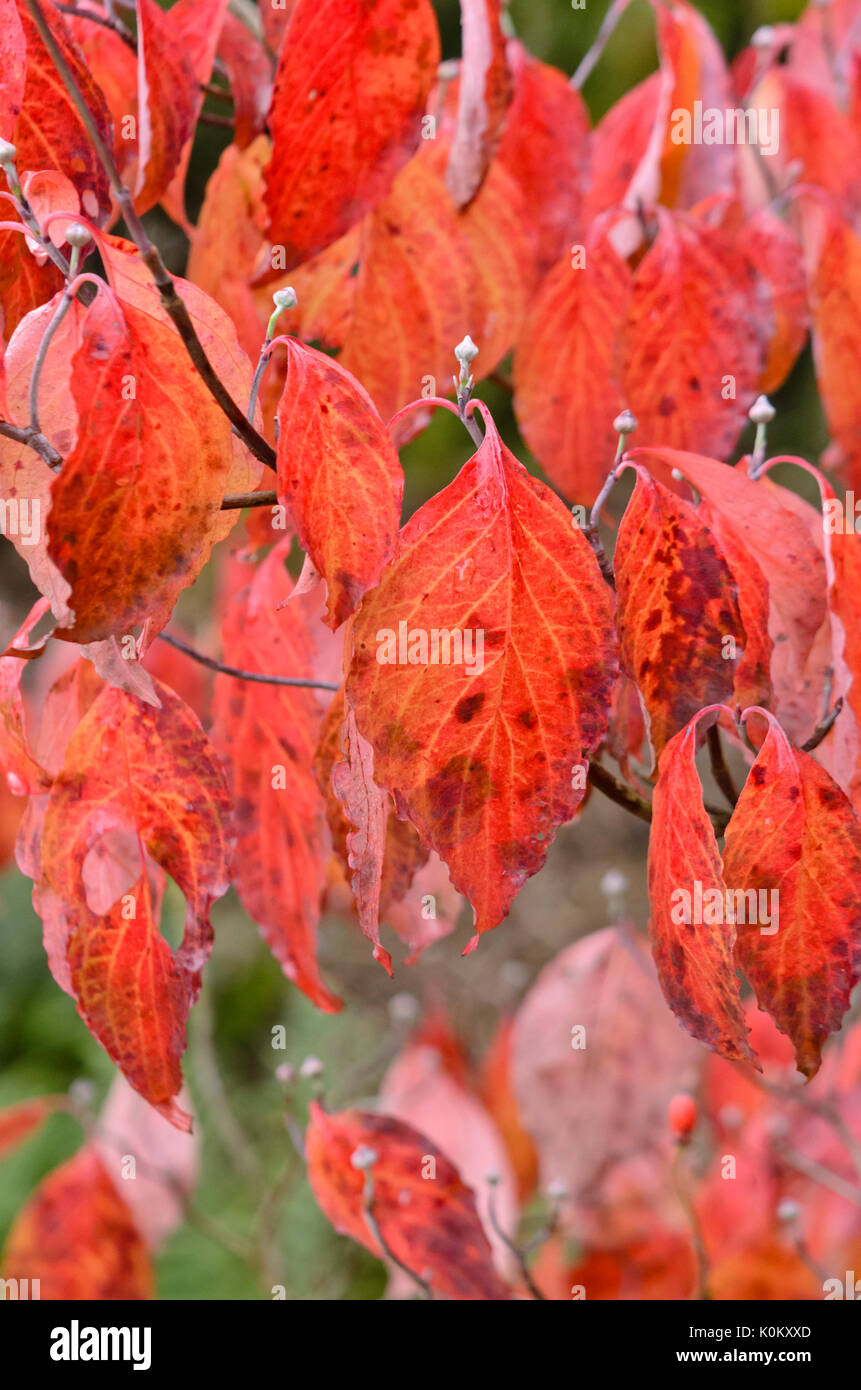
[[35, 439], [106, 21], [720, 771], [235, 501], [221, 122], [823, 728], [604, 781], [171, 301], [258, 676]]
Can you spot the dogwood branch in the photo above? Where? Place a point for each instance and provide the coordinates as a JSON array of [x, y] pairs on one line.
[[239, 674]]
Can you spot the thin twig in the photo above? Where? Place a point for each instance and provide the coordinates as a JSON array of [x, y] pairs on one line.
[[27, 435], [209, 1080], [824, 728], [235, 501], [106, 21], [373, 1226], [171, 301], [519, 1255], [604, 782], [257, 676], [720, 771], [693, 1221], [59, 314], [608, 24]]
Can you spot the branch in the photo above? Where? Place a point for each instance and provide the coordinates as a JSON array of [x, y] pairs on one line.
[[720, 771], [223, 670], [171, 301], [27, 435], [605, 782], [608, 24], [823, 728], [235, 501]]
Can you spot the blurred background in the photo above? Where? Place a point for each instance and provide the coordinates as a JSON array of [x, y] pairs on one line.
[[251, 1178]]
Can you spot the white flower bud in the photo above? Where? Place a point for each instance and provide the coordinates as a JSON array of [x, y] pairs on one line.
[[466, 351], [625, 423], [285, 299], [77, 234], [762, 412], [363, 1157]]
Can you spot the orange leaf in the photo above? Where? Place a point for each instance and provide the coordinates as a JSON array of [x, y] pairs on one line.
[[77, 1237], [134, 509], [484, 94], [269, 735], [249, 73], [168, 102], [18, 1122], [338, 475], [678, 603], [430, 1226], [567, 390], [694, 343], [43, 124], [482, 671], [346, 111], [793, 835], [833, 255], [694, 959], [138, 785], [17, 761], [545, 146]]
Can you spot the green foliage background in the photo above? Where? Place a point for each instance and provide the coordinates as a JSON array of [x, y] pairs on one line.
[[44, 1047]]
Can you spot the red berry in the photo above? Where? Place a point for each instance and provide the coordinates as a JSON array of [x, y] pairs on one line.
[[682, 1115]]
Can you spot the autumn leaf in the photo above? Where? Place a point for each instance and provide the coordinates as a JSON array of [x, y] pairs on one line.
[[268, 735], [678, 609], [590, 1096], [18, 1122], [545, 147], [350, 92], [42, 121], [794, 837], [366, 806], [432, 1228], [249, 74], [567, 390], [17, 761], [694, 959], [138, 786], [693, 345], [168, 102], [127, 528], [833, 257], [77, 1237], [338, 475], [486, 751], [485, 89], [419, 1089]]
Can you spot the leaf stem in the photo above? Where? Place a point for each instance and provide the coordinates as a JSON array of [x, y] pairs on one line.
[[602, 38]]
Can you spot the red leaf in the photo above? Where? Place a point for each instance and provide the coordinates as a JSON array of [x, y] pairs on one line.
[[76, 1237], [18, 1122], [483, 755], [127, 528], [16, 757], [545, 146], [833, 255], [794, 834], [168, 102], [429, 1225], [694, 960], [249, 73], [269, 735], [349, 95], [677, 604], [485, 90], [367, 808], [694, 342], [567, 390], [338, 475], [44, 124], [138, 785], [592, 1097]]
